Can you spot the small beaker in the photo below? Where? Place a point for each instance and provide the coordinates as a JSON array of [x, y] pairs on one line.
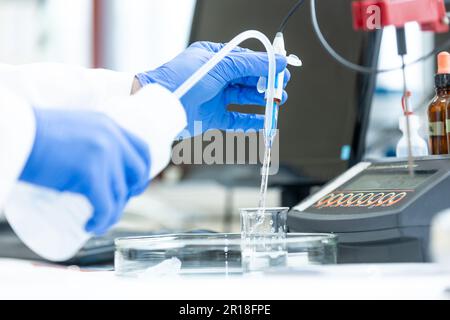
[[263, 233]]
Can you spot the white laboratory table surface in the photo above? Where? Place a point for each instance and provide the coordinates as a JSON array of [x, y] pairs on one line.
[[25, 280]]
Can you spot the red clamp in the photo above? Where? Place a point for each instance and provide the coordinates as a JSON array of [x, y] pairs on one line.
[[407, 95], [369, 15]]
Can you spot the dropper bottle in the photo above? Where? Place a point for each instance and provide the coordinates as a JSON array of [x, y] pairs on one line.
[[419, 147], [437, 111], [444, 67]]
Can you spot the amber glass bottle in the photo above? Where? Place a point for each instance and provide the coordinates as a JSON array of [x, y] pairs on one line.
[[437, 114], [444, 81], [437, 111], [447, 123]]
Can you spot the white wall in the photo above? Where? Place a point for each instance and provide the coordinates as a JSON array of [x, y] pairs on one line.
[[140, 34], [68, 28], [147, 33], [20, 31], [419, 76], [45, 30]]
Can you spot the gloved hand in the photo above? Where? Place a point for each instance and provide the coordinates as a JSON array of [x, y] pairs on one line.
[[87, 153], [232, 81]]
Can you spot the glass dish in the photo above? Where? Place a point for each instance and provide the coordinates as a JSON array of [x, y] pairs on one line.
[[218, 254]]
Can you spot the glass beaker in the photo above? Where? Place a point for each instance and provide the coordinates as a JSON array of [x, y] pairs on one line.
[[263, 233]]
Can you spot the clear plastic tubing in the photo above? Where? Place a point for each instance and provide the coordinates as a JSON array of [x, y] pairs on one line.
[[271, 112]]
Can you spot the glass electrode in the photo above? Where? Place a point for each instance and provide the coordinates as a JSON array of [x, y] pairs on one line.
[[271, 120]]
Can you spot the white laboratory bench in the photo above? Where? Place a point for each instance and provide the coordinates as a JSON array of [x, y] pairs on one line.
[[25, 280]]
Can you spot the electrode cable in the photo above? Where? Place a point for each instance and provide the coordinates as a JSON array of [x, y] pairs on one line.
[[340, 59], [356, 67], [289, 15]]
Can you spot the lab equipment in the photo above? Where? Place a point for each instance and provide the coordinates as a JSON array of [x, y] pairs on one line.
[[214, 254], [274, 222], [231, 81], [77, 142], [374, 15], [271, 125], [443, 83], [292, 60], [431, 15], [402, 51], [419, 147], [379, 211], [263, 232], [437, 110]]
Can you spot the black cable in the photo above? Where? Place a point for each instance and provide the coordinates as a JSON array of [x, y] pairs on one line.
[[356, 67], [289, 15], [401, 41]]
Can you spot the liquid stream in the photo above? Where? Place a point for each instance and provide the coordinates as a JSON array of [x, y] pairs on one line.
[[264, 182]]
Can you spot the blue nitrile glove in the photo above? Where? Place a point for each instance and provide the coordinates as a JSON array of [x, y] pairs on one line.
[[232, 81], [89, 154]]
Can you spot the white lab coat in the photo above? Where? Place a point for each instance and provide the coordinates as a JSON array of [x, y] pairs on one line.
[[154, 114]]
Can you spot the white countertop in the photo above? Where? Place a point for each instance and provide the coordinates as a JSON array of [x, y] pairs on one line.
[[25, 280]]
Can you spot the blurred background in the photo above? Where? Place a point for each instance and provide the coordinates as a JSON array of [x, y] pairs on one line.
[[138, 35], [115, 34]]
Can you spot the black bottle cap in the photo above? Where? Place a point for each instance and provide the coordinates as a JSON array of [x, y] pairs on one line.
[[442, 81]]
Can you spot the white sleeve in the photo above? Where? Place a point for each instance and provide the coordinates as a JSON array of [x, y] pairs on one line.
[[53, 85], [17, 131], [49, 222], [52, 223], [160, 116], [155, 115]]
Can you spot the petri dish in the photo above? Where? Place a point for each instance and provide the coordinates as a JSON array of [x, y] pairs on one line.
[[211, 254]]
